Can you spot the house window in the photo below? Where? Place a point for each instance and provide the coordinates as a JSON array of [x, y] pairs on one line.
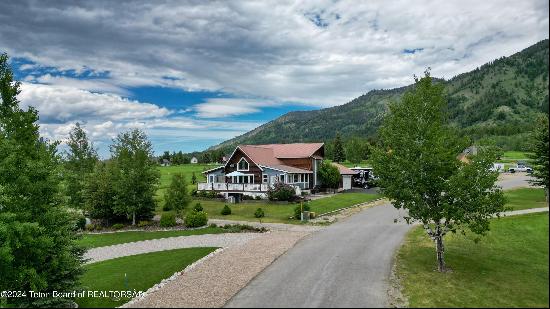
[[265, 178], [243, 165], [296, 177], [282, 178]]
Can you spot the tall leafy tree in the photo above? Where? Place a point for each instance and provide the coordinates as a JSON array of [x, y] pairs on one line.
[[539, 148], [138, 175], [419, 171], [177, 196], [37, 233], [80, 159], [329, 175], [338, 152], [100, 192]]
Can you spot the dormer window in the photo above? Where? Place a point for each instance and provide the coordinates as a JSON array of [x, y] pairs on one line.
[[242, 165]]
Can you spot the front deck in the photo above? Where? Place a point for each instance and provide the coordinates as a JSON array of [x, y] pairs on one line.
[[232, 187]]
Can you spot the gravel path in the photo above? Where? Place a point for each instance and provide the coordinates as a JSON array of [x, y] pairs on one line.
[[217, 279], [154, 245], [524, 211]]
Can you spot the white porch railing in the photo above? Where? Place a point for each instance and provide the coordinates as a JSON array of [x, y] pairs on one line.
[[220, 186]]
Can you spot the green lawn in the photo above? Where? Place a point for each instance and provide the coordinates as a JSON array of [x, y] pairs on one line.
[[108, 239], [142, 271], [281, 212], [525, 198], [510, 158], [518, 155], [507, 268], [187, 170]]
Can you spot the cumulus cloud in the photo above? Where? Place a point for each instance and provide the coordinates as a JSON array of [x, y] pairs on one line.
[[318, 53], [105, 115], [226, 107], [62, 103]]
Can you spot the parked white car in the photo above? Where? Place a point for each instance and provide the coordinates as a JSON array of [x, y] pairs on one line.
[[520, 168]]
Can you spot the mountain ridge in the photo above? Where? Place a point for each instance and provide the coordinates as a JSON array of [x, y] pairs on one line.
[[494, 101]]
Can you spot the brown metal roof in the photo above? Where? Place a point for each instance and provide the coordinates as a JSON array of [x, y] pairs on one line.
[[269, 155], [344, 170]]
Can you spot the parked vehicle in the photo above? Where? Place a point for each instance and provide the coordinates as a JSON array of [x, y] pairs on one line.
[[520, 168]]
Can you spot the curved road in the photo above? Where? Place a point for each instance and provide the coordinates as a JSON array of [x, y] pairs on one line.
[[345, 265]]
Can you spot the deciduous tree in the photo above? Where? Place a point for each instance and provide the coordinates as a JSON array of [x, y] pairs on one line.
[[329, 175], [419, 171], [177, 196], [138, 175]]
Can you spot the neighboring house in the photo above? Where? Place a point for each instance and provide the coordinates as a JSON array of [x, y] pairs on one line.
[[252, 169], [194, 160], [464, 156], [165, 162]]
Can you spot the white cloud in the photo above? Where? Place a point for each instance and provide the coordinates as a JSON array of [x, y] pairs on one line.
[[318, 53], [105, 115], [62, 103], [270, 49], [226, 107]]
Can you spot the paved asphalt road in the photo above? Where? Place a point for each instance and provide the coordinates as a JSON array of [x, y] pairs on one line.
[[518, 180], [345, 265]]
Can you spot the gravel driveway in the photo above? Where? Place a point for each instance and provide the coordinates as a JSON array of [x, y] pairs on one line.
[[213, 282], [208, 240]]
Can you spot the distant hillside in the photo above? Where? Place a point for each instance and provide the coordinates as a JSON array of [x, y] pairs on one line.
[[496, 101]]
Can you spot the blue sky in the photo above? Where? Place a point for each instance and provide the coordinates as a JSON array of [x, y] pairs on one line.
[[195, 73]]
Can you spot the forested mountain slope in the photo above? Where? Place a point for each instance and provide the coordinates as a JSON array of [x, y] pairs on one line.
[[497, 101]]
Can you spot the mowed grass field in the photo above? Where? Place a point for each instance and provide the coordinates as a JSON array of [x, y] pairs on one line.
[[280, 213], [166, 173], [109, 239], [137, 272], [525, 198], [507, 268], [274, 213]]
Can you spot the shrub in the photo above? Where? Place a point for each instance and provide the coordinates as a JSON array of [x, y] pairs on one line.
[[198, 207], [213, 225], [196, 219], [144, 223], [298, 211], [194, 192], [81, 223], [168, 219], [259, 213], [166, 207], [226, 210], [243, 228], [281, 192], [90, 227], [118, 226], [176, 196], [258, 197]]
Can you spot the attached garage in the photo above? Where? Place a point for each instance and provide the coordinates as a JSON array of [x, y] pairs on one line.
[[346, 182], [347, 175]]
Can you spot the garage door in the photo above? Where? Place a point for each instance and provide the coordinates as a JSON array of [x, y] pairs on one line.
[[346, 183]]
